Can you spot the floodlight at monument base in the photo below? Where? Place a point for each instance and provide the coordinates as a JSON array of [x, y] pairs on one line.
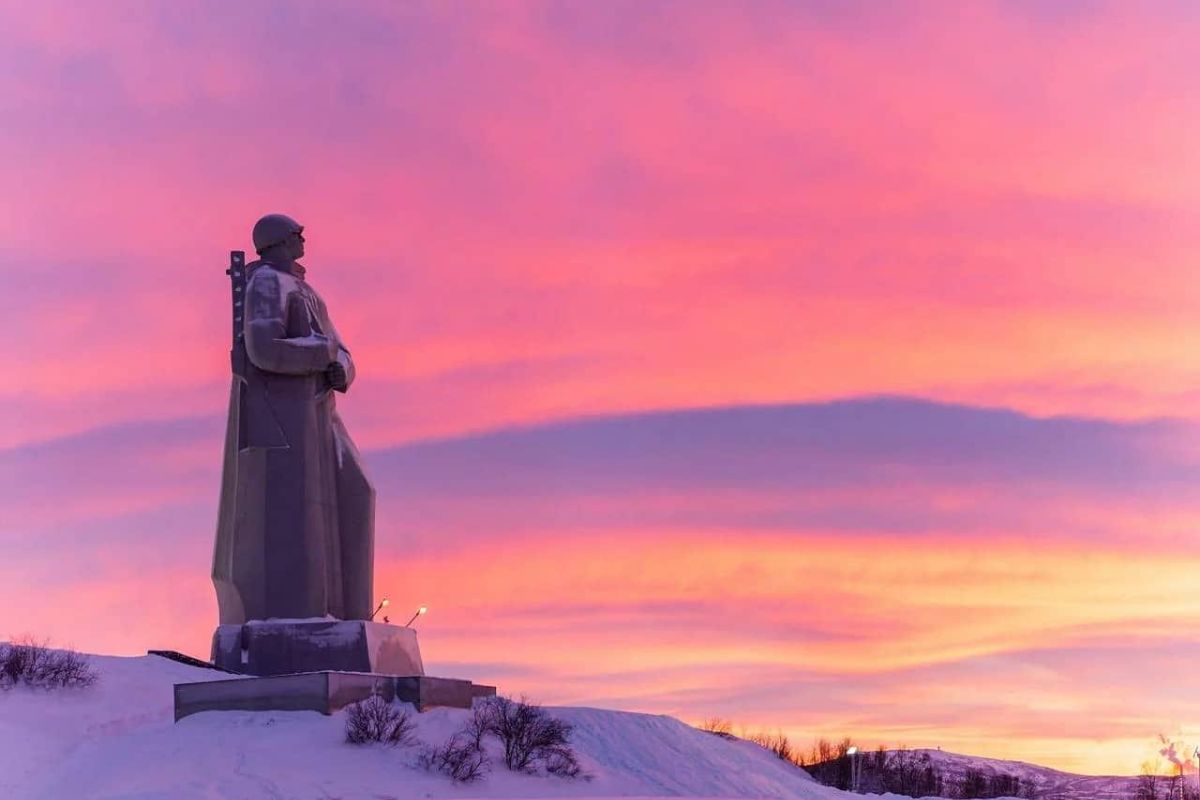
[[413, 619], [382, 605]]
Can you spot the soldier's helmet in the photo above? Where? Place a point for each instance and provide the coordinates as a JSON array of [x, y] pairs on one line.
[[273, 229]]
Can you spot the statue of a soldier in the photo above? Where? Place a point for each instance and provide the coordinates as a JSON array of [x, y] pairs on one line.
[[295, 535]]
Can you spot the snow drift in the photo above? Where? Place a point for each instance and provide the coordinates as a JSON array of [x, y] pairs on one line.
[[117, 739]]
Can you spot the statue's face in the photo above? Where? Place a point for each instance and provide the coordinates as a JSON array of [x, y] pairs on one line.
[[295, 244]]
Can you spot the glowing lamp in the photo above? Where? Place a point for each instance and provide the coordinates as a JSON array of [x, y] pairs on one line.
[[382, 605]]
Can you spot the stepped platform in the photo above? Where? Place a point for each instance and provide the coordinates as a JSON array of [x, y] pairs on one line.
[[324, 691], [316, 665]]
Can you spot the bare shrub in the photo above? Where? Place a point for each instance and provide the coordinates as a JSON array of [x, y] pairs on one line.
[[561, 761], [377, 720], [32, 663], [531, 737], [479, 724], [718, 726], [779, 744], [461, 758]]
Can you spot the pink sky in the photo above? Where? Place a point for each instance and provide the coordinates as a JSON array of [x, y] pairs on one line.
[[818, 366]]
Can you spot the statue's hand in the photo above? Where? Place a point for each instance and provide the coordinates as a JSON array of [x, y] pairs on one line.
[[335, 373]]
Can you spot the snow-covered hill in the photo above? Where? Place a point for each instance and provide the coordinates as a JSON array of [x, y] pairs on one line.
[[117, 739]]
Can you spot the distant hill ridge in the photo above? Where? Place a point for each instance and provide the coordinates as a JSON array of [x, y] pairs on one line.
[[923, 772]]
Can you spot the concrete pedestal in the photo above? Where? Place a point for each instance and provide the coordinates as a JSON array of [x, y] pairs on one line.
[[319, 665], [325, 692], [286, 647]]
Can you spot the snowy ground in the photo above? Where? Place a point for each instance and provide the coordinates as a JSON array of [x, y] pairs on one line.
[[118, 740]]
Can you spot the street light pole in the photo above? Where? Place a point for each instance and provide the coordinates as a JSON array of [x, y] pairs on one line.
[[853, 753]]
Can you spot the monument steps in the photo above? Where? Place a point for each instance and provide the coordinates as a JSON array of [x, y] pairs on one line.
[[325, 692]]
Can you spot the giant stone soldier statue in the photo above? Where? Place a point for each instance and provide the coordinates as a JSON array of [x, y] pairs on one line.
[[295, 534]]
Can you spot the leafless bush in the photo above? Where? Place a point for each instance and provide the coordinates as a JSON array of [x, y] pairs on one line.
[[779, 744], [561, 761], [461, 758], [33, 663], [718, 726], [377, 720], [531, 738]]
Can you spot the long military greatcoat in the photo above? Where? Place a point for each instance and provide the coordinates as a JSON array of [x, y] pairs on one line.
[[295, 535]]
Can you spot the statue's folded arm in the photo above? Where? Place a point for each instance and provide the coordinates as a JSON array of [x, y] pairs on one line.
[[267, 343]]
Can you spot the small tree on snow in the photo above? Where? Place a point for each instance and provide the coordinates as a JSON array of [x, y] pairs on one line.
[[377, 720], [529, 735], [461, 758]]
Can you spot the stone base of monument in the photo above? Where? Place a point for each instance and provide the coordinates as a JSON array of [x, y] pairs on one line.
[[325, 692], [284, 647], [319, 665]]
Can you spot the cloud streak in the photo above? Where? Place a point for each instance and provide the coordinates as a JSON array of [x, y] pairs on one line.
[[866, 563]]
